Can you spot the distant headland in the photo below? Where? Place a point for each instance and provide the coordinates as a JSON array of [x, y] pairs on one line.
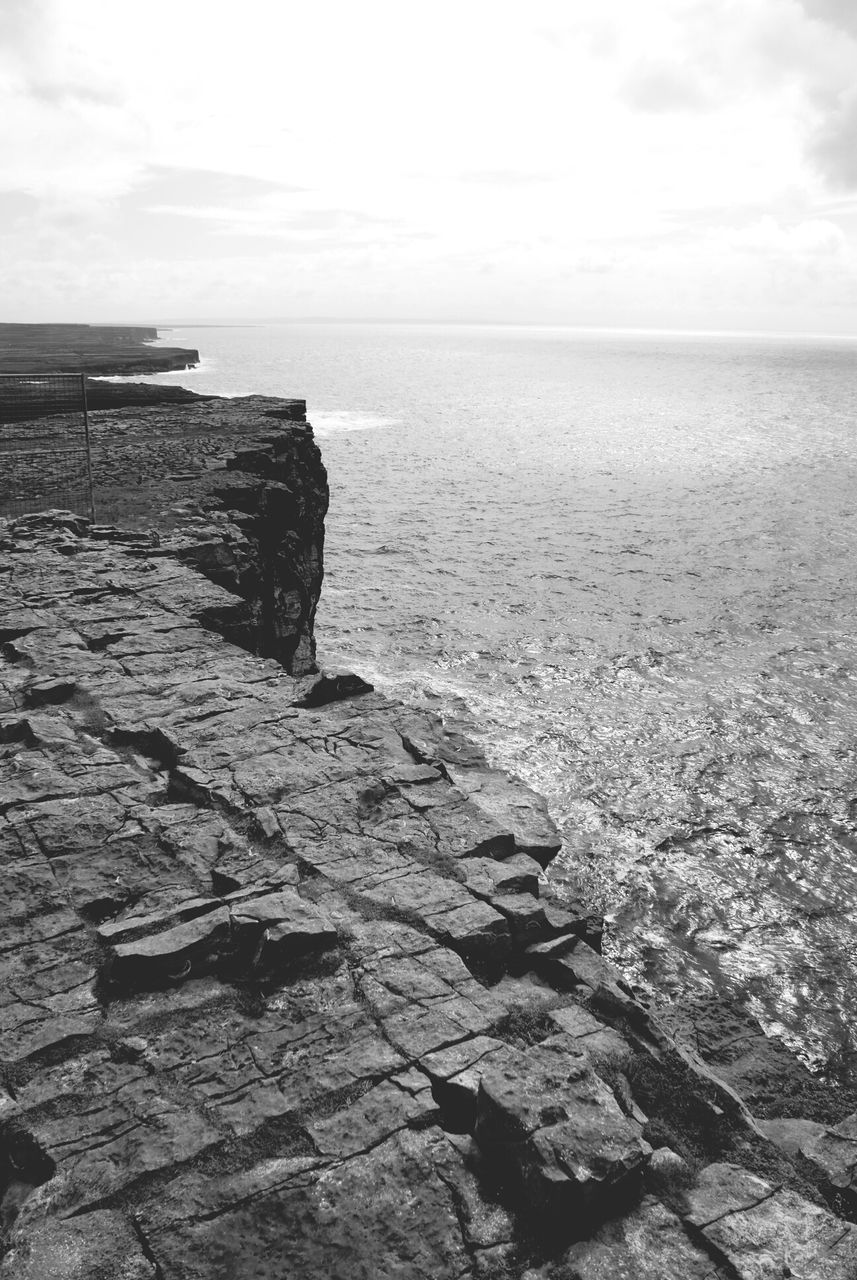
[[96, 349]]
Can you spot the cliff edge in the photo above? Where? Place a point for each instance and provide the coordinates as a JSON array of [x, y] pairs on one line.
[[284, 991]]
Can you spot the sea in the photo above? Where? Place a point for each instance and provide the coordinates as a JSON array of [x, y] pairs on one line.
[[623, 562]]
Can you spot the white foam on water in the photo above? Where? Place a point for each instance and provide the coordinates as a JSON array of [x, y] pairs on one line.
[[335, 421], [176, 376]]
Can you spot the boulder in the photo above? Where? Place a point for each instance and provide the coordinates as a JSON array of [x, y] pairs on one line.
[[172, 955], [558, 1130]]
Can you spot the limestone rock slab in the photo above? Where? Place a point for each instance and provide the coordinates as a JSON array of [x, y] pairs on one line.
[[649, 1243], [101, 1245], [833, 1151], [763, 1230], [170, 955], [393, 1213], [558, 1127]]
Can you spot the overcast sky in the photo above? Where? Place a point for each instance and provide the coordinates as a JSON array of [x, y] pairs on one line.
[[665, 163]]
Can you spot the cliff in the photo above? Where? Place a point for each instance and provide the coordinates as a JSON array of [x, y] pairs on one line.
[[267, 543], [284, 989], [88, 348]]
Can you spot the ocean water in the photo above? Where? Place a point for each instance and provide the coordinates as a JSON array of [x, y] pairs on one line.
[[625, 564]]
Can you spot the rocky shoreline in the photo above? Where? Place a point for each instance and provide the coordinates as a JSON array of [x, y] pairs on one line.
[[285, 990]]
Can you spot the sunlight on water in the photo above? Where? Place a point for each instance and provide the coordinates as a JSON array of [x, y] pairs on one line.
[[626, 564]]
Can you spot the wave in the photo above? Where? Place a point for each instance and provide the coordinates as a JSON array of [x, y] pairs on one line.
[[334, 421]]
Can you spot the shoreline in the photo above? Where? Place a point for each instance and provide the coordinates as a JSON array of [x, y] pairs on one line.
[[460, 1020]]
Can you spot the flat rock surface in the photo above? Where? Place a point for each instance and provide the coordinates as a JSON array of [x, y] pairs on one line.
[[98, 1246], [650, 1243], [763, 1230]]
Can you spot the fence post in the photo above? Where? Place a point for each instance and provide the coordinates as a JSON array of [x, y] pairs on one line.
[[45, 443], [88, 450]]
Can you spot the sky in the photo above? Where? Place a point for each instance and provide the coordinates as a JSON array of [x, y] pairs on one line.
[[685, 164]]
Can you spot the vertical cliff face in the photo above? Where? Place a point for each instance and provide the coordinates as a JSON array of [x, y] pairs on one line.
[[261, 536], [277, 492]]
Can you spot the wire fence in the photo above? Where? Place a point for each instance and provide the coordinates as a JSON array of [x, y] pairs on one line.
[[45, 458]]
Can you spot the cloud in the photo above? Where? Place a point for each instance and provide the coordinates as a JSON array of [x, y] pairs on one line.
[[585, 151], [15, 205], [800, 263], [593, 264], [796, 57], [266, 219], [171, 185], [62, 93], [811, 239], [822, 63], [28, 44], [505, 177], [661, 87], [837, 13], [20, 20], [833, 148]]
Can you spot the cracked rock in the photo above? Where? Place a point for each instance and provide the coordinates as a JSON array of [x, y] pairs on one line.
[[171, 955], [763, 1230], [557, 1127], [96, 1246]]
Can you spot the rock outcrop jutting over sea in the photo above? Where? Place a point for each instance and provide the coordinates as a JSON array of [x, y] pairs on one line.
[[284, 992]]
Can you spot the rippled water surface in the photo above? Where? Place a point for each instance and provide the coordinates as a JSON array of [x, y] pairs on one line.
[[625, 563]]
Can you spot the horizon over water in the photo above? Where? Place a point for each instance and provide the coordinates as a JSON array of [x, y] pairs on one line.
[[622, 562]]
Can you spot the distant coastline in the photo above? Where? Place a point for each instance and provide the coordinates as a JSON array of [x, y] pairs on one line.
[[96, 350]]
